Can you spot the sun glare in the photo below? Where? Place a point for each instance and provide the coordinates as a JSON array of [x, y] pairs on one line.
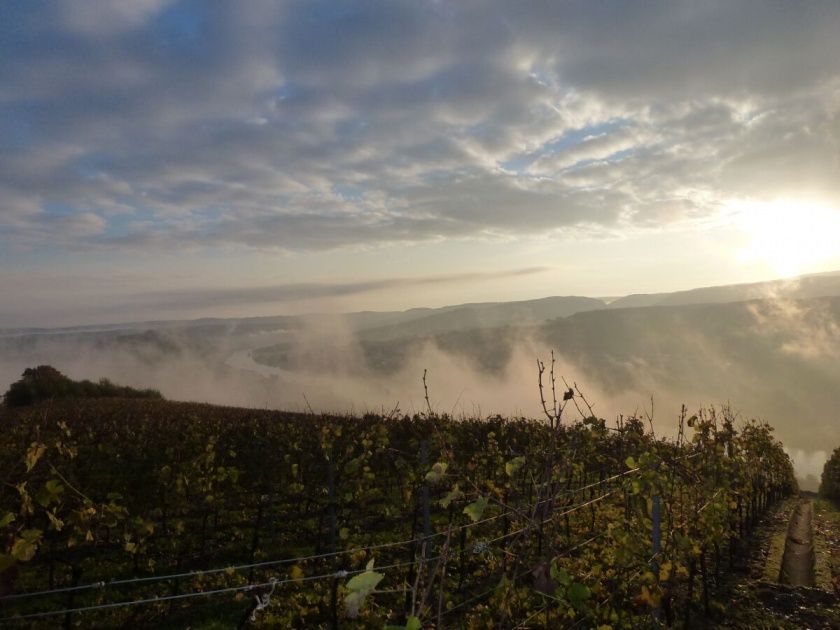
[[790, 237]]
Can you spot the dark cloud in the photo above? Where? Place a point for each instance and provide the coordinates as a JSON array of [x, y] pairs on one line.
[[317, 125]]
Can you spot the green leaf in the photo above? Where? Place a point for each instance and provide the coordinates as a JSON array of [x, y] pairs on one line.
[[513, 465], [360, 586], [475, 509], [578, 593], [437, 472], [54, 486], [412, 623], [560, 575], [8, 517], [631, 463], [353, 602], [453, 495]]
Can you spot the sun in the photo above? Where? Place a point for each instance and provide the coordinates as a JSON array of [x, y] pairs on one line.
[[791, 237]]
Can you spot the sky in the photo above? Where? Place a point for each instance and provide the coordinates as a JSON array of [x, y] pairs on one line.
[[166, 159]]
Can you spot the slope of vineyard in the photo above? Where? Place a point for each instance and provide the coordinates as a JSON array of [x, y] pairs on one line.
[[157, 514]]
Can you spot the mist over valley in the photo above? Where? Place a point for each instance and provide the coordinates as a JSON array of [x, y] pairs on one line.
[[769, 350]]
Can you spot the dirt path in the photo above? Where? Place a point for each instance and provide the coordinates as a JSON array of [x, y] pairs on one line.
[[803, 535], [799, 558]]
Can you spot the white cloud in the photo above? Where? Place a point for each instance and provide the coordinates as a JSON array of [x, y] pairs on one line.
[[104, 17], [316, 125]]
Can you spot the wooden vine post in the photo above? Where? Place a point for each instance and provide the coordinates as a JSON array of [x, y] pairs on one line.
[[427, 518], [333, 538]]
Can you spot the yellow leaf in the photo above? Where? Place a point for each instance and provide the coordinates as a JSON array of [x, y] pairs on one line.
[[57, 523], [24, 548], [297, 573], [649, 598], [36, 449]]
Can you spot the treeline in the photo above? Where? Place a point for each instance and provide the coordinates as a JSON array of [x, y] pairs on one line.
[[135, 510], [47, 383]]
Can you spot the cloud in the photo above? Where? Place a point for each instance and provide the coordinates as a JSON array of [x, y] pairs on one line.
[[198, 299], [129, 296], [98, 18], [306, 126]]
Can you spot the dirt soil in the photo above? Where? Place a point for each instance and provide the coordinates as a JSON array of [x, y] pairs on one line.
[[799, 560], [753, 598]]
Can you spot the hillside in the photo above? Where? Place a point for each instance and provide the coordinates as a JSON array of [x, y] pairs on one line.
[[823, 285], [171, 515], [779, 360], [478, 316]]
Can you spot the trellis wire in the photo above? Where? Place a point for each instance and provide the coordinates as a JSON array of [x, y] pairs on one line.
[[218, 591], [274, 582], [269, 563]]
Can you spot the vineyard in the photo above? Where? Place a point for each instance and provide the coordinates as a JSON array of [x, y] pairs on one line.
[[149, 513], [830, 482]]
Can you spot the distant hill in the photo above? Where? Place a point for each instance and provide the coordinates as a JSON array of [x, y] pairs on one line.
[[824, 285], [483, 315], [385, 325], [471, 330], [776, 359]]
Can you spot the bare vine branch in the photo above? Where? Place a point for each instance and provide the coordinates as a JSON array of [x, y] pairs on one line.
[[426, 391]]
